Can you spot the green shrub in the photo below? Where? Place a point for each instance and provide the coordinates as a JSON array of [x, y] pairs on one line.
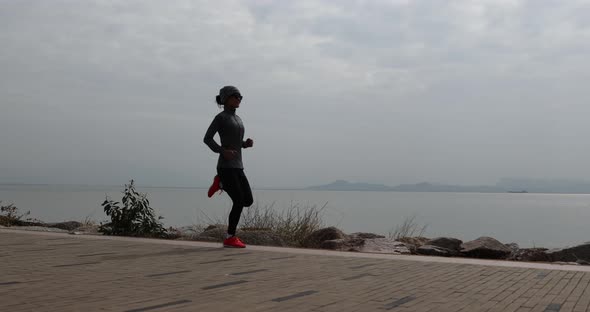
[[134, 218]]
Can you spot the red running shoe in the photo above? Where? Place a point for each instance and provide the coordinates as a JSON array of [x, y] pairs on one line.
[[233, 242], [216, 186]]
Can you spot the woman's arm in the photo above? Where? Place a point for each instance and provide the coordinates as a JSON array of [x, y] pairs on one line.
[[213, 128]]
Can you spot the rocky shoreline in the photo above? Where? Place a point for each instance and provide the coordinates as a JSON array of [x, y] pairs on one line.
[[481, 248], [331, 238]]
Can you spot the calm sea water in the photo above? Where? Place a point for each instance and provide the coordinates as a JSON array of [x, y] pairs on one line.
[[548, 220]]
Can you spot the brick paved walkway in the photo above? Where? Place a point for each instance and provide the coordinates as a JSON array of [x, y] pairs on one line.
[[60, 272]]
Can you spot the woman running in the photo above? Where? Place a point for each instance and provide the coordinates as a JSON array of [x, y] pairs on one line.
[[230, 169]]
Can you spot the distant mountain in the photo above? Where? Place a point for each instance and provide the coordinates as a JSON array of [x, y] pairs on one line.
[[505, 185], [342, 185]]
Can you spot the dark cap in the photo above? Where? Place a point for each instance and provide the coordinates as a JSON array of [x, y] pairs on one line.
[[226, 92]]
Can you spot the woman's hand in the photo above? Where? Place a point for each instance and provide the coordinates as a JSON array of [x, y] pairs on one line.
[[229, 154], [249, 143]]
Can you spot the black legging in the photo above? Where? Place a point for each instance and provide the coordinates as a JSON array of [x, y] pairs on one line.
[[235, 183]]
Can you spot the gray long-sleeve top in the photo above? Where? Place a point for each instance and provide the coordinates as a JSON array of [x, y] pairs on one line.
[[231, 132]]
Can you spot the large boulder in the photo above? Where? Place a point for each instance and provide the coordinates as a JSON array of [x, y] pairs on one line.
[[579, 253], [441, 246], [316, 238], [485, 247]]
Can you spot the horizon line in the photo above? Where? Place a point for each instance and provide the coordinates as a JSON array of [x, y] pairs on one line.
[[140, 185]]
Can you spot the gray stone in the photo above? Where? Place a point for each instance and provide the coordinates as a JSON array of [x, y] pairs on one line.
[[86, 230], [187, 231], [565, 263], [343, 244], [366, 235], [265, 238], [39, 229], [369, 245], [334, 244], [385, 246], [315, 239], [68, 225], [570, 254], [430, 250], [213, 233], [216, 227], [28, 222], [447, 243], [414, 242], [529, 254], [485, 247], [513, 246]]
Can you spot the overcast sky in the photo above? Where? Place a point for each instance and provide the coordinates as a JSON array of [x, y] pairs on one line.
[[462, 92]]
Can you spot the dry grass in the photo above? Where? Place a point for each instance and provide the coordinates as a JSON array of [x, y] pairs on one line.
[[409, 228], [293, 224], [88, 222]]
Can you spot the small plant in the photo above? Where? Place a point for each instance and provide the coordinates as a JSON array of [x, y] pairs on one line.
[[409, 228], [134, 218], [9, 215]]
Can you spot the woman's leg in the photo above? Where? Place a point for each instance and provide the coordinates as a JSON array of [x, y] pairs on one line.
[[246, 191], [231, 180]]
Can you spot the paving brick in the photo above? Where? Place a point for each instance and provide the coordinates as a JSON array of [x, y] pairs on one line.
[[71, 273]]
